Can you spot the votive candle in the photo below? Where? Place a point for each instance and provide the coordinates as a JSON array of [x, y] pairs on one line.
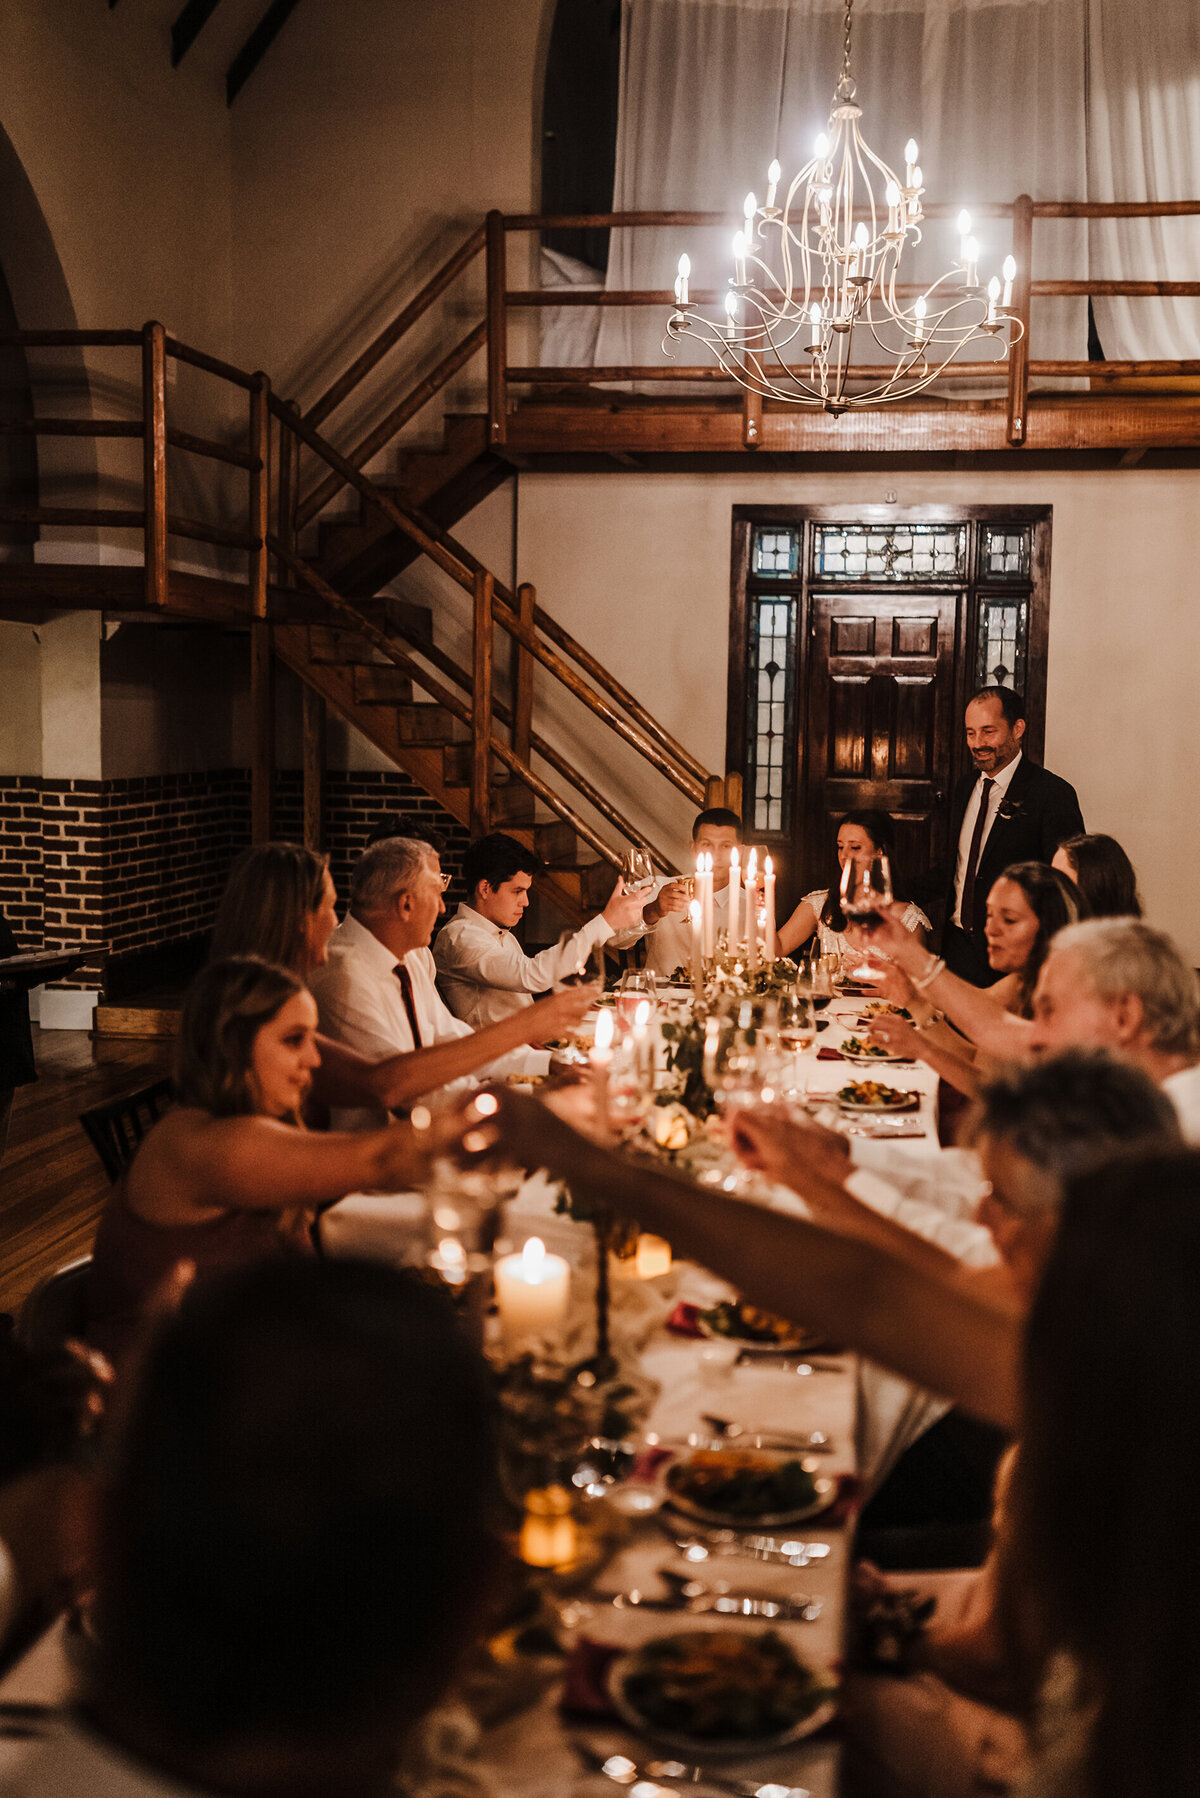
[[532, 1290], [548, 1534]]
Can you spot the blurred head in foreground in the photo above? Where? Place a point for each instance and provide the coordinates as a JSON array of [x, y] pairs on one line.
[[295, 1545]]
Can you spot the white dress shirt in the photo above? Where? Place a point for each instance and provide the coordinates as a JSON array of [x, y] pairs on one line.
[[485, 975], [361, 1004], [833, 942], [669, 942], [997, 790], [1183, 1089]]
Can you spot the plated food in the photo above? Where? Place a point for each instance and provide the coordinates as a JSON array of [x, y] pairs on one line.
[[883, 1008], [874, 1095], [734, 1321], [746, 1487], [857, 1048], [720, 1691]]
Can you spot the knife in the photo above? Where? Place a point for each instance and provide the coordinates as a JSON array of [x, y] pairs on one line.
[[624, 1772], [795, 1363], [796, 1609], [751, 1548]]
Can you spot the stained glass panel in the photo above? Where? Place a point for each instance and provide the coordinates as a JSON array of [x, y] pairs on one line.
[[901, 552], [1004, 553], [776, 551], [772, 680], [1000, 647]]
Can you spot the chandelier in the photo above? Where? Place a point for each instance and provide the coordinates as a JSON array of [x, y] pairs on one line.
[[811, 273]]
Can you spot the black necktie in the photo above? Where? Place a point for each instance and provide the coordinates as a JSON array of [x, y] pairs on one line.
[[966, 910], [406, 993]]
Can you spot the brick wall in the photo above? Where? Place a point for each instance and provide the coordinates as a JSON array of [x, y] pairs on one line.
[[140, 864]]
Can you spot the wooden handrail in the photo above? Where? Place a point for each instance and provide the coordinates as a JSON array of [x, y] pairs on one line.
[[154, 462], [1016, 424], [260, 493], [228, 371], [482, 645], [71, 427], [461, 566], [400, 325], [497, 329], [199, 532], [115, 518], [395, 420], [1113, 209], [600, 221], [209, 448]]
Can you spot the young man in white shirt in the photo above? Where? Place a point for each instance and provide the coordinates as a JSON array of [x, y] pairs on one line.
[[376, 991], [483, 972], [718, 832]]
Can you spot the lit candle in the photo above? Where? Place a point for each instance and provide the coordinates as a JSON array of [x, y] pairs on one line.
[[770, 900], [750, 213], [858, 256], [752, 911], [894, 202], [697, 918], [821, 147], [731, 306], [681, 285], [910, 163], [548, 1537], [706, 901], [993, 297], [739, 259], [963, 226], [972, 254], [919, 311], [773, 174], [653, 1257], [733, 932], [1010, 275], [815, 320], [532, 1290], [914, 203]]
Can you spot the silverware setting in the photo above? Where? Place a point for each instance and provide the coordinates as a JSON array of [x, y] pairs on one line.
[[701, 1600], [624, 1772], [722, 1544], [728, 1430], [800, 1364]]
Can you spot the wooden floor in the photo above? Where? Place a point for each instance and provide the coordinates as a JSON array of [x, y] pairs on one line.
[[51, 1183]]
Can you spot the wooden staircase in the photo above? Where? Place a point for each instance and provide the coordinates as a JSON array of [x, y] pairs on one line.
[[433, 744]]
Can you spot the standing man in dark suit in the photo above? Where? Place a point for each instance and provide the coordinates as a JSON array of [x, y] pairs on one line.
[[1009, 810]]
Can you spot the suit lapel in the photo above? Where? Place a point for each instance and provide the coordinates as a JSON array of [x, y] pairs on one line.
[[995, 857]]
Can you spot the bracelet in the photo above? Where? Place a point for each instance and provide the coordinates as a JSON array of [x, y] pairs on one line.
[[935, 1017], [936, 966]]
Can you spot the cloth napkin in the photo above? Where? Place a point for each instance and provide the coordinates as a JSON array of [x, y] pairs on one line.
[[685, 1320], [828, 1053]]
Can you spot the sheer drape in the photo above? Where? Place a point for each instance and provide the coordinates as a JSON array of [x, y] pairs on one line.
[[712, 89], [1144, 144]]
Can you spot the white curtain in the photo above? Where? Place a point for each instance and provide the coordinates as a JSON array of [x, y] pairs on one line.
[[1144, 144], [712, 89]]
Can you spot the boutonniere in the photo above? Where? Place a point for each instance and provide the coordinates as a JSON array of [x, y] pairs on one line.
[[1009, 808]]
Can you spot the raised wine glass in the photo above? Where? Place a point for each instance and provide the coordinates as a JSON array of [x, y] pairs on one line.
[[637, 869], [865, 887]]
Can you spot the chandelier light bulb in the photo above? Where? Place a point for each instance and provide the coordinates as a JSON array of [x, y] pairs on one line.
[[1009, 270], [964, 223], [681, 280], [731, 306], [911, 153], [993, 296], [814, 319], [821, 147], [773, 175], [919, 311], [739, 259]]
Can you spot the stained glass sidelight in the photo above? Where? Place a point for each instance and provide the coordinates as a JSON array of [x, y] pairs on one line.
[[1000, 644], [1003, 553], [776, 551], [772, 680], [890, 553]]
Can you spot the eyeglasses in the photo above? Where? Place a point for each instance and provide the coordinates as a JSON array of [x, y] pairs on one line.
[[443, 880]]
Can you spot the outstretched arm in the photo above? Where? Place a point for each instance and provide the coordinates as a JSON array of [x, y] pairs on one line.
[[965, 1346]]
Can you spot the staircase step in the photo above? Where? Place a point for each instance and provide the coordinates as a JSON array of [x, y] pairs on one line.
[[433, 725], [512, 803], [328, 643], [382, 684], [404, 617]]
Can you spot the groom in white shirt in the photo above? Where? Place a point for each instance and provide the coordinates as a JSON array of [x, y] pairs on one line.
[[483, 972]]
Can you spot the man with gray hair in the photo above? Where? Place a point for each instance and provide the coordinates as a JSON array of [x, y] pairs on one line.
[[1116, 983], [376, 991]]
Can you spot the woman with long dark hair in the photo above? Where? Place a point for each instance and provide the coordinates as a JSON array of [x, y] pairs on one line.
[[1103, 873], [861, 836]]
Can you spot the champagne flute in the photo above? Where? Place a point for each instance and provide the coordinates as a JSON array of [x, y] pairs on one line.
[[630, 1087], [636, 986], [637, 869]]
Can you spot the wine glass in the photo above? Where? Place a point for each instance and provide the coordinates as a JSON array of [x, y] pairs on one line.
[[630, 1084], [865, 887], [636, 987], [637, 869], [797, 1023], [826, 966]]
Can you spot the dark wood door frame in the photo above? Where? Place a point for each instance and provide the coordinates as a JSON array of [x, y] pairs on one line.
[[804, 517]]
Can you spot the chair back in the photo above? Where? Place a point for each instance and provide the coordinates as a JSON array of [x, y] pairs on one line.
[[115, 1130], [56, 1308]]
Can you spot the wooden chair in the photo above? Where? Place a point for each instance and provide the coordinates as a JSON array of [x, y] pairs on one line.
[[55, 1309], [115, 1130]]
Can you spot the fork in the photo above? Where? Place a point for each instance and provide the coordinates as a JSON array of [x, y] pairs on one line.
[[731, 1431]]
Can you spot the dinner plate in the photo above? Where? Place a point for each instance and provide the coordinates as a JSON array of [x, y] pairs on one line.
[[825, 1492], [709, 1747], [797, 1341], [906, 1101]]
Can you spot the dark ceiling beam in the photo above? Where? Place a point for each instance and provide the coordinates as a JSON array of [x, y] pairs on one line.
[[188, 26], [256, 47]]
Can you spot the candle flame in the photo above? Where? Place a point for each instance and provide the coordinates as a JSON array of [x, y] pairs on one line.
[[694, 911], [768, 867], [604, 1030], [735, 860], [533, 1261], [641, 1016], [751, 866]]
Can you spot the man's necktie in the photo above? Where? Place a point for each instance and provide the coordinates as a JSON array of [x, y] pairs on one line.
[[406, 993], [966, 910]]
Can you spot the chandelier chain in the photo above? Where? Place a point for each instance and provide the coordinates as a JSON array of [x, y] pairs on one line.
[[845, 86]]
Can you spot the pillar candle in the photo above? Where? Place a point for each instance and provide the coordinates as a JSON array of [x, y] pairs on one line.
[[752, 911], [697, 951], [548, 1535], [770, 902], [734, 933], [532, 1290], [600, 1057], [653, 1257], [706, 901]]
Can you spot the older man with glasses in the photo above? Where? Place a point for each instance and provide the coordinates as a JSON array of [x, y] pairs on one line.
[[376, 992]]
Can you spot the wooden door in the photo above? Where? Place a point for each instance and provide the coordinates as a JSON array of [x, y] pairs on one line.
[[879, 720]]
